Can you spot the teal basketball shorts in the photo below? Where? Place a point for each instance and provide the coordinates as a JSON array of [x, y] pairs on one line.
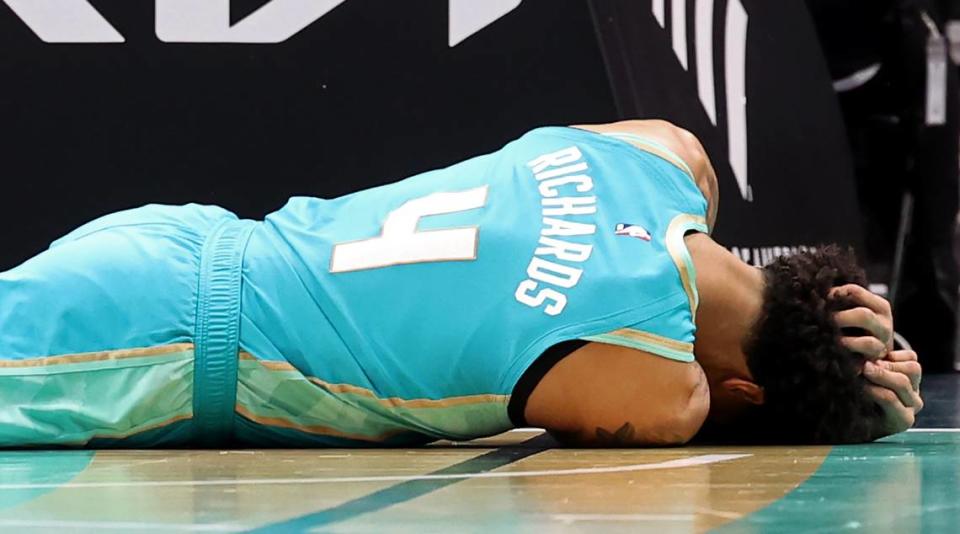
[[125, 332]]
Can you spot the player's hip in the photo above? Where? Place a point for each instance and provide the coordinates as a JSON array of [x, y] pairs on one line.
[[124, 332]]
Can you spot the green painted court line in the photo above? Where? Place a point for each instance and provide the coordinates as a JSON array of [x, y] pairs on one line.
[[909, 482], [52, 468], [412, 489]]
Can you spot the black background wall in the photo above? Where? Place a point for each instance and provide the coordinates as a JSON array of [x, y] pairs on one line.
[[372, 92], [796, 188]]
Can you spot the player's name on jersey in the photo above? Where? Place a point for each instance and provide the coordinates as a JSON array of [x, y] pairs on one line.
[[568, 209]]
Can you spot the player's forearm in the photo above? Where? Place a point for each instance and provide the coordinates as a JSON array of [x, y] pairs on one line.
[[627, 435]]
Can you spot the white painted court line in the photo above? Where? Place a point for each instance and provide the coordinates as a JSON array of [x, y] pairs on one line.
[[719, 513], [703, 459], [126, 526], [573, 518], [537, 430]]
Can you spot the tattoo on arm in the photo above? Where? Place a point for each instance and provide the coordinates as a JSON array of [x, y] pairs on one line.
[[622, 436]]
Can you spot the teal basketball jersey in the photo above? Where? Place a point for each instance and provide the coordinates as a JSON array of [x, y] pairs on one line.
[[408, 312]]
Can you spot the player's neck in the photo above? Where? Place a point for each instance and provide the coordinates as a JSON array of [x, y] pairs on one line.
[[731, 299]]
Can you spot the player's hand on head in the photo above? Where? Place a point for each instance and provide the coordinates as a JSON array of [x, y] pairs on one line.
[[870, 320], [894, 384], [893, 376]]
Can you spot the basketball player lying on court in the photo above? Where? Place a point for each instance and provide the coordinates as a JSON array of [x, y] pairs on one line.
[[567, 281]]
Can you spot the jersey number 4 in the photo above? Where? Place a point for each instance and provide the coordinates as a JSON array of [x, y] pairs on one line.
[[401, 243]]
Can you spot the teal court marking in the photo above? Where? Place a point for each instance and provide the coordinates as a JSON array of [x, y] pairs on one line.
[[701, 459], [417, 486], [69, 527], [51, 468], [411, 489], [905, 483]]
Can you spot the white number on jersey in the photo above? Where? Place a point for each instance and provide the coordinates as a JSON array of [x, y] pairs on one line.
[[401, 243]]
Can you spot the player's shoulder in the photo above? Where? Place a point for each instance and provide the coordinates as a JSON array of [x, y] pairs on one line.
[[679, 144], [678, 140]]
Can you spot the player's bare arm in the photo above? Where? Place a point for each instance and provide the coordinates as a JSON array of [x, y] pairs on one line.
[[603, 395]]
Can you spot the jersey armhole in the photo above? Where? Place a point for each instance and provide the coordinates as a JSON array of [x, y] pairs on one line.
[[631, 337], [534, 374]]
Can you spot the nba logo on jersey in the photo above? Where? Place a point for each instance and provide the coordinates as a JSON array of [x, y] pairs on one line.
[[633, 230]]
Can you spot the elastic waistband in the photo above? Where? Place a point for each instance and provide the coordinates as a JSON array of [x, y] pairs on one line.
[[218, 332]]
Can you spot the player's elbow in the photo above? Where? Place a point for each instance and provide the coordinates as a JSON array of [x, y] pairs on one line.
[[690, 411], [682, 424]]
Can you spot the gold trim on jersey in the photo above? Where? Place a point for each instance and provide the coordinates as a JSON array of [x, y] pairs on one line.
[[647, 342], [648, 337], [123, 354], [678, 228]]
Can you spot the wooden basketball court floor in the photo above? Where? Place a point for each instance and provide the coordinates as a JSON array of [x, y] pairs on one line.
[[516, 482]]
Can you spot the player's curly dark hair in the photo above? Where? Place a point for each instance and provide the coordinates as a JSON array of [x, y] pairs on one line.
[[813, 386]]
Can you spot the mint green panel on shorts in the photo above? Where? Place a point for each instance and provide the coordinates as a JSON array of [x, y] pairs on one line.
[[102, 335], [77, 399]]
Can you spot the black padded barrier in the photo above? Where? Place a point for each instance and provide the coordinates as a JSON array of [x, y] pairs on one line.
[[152, 109]]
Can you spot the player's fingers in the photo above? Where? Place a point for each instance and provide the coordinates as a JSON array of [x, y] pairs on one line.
[[867, 346], [910, 368], [866, 319], [898, 417], [863, 297], [899, 384], [901, 356]]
